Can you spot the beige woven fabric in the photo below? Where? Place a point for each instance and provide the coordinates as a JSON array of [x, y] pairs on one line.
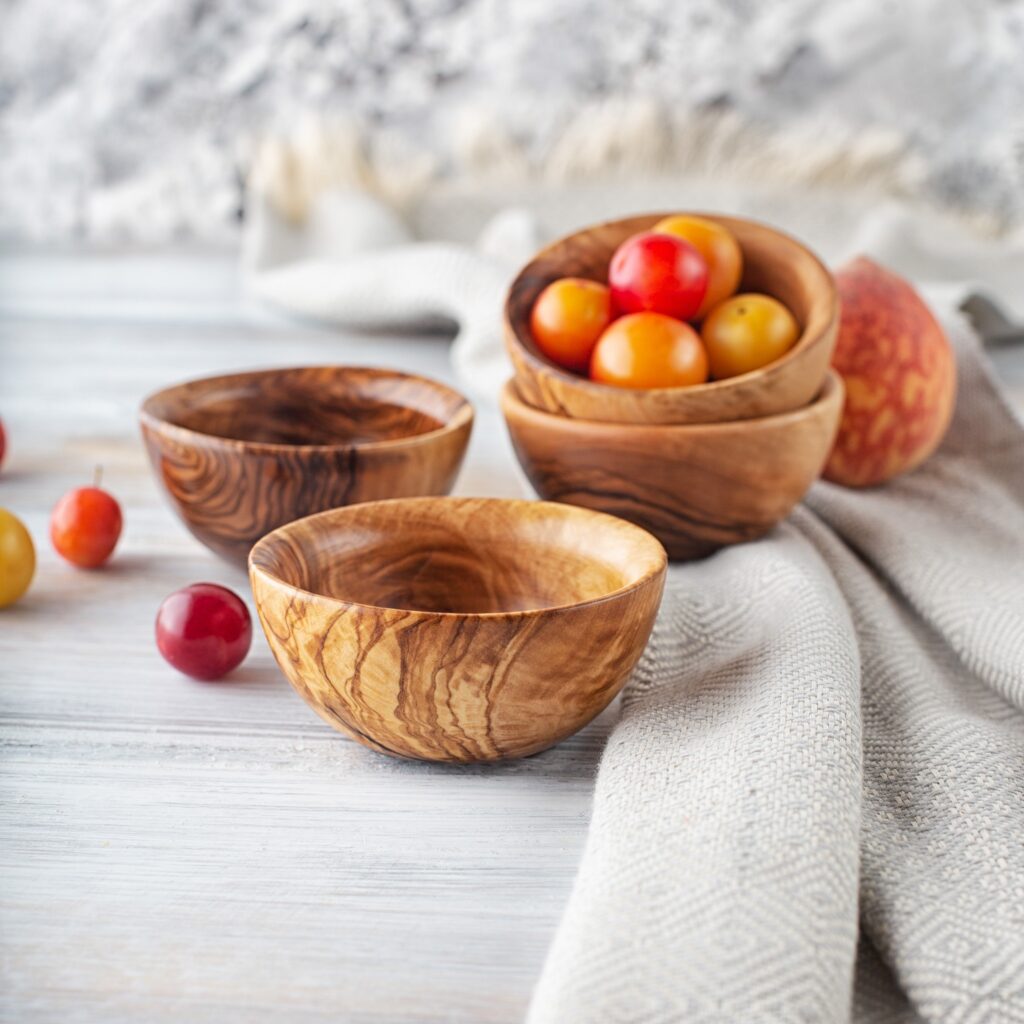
[[827, 729]]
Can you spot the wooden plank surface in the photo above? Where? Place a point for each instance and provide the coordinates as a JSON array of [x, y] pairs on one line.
[[171, 850], [177, 851]]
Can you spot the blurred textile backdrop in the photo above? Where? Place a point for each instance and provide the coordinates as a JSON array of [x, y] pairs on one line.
[[141, 120]]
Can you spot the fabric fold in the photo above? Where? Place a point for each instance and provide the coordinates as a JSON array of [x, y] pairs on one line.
[[353, 262], [720, 878], [932, 567]]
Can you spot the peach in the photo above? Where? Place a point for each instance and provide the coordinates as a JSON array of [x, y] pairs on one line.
[[900, 377]]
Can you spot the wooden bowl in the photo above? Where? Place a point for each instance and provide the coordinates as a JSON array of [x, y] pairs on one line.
[[457, 629], [696, 487], [242, 454], [774, 263]]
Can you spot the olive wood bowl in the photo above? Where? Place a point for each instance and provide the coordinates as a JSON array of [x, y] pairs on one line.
[[773, 263], [696, 487], [240, 455], [457, 629]]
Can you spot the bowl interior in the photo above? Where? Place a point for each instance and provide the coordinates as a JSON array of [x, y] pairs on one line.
[[773, 263], [320, 406], [470, 556]]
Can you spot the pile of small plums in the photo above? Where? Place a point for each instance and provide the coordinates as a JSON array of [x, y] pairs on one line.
[[203, 630], [634, 331]]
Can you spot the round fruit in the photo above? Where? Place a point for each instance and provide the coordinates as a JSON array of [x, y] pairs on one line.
[[568, 318], [720, 250], [900, 376], [204, 630], [747, 332], [649, 350], [659, 274], [17, 558], [85, 526]]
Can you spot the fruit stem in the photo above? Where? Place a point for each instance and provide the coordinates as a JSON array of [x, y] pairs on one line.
[[97, 477]]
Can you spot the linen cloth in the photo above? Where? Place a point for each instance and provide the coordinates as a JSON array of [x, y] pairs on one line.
[[812, 806], [858, 672]]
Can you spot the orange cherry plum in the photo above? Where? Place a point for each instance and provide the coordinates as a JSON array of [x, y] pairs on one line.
[[85, 526], [721, 252], [568, 318], [747, 332], [649, 350]]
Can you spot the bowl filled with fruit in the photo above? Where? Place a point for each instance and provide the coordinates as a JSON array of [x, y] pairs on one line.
[[672, 318], [673, 370]]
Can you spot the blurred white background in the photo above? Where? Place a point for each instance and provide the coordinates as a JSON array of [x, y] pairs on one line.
[[140, 120]]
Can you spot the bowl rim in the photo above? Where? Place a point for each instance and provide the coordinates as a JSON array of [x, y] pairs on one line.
[[650, 575], [598, 389], [831, 390], [462, 416]]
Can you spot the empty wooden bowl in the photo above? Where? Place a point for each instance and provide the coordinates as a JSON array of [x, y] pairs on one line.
[[457, 629], [242, 454], [773, 263], [696, 487]]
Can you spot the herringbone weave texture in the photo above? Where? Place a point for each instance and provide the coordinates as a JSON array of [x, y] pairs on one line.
[[827, 728]]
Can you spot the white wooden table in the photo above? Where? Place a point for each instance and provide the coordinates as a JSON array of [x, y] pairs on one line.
[[179, 851]]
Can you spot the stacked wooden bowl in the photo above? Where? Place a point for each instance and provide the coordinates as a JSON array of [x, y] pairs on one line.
[[701, 466]]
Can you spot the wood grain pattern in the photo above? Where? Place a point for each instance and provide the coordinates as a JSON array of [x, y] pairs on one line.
[[176, 851], [696, 487], [242, 454], [458, 629], [217, 854], [774, 263]]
